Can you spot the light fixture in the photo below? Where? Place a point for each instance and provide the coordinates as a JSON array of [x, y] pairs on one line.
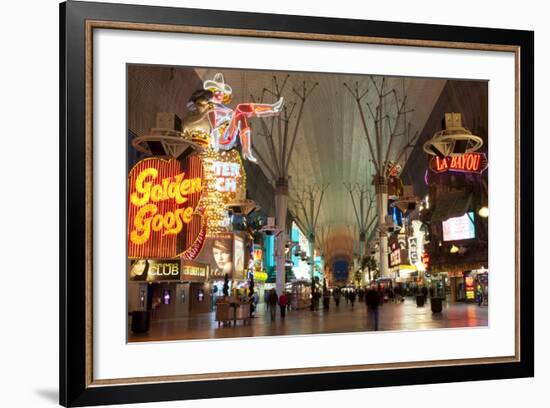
[[483, 212], [454, 249]]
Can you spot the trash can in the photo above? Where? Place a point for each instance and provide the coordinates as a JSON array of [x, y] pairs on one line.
[[437, 305], [420, 299], [140, 321]]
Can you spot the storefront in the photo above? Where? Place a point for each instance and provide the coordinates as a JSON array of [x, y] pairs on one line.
[[169, 288], [155, 285], [464, 284], [197, 293]]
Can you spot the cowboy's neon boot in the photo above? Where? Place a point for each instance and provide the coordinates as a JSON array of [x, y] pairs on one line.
[[245, 143]]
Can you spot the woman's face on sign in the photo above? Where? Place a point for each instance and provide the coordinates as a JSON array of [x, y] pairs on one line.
[[138, 267], [221, 257]]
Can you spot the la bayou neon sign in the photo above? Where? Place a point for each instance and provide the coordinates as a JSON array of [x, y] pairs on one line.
[[465, 163]]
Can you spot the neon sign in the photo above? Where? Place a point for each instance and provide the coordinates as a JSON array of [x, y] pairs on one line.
[[226, 123], [163, 196], [225, 182], [469, 287], [465, 163], [147, 195], [395, 257], [225, 175]]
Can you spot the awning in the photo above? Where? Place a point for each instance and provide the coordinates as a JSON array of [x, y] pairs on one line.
[[452, 204]]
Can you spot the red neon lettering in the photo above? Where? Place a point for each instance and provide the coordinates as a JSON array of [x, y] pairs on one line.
[[468, 162], [455, 162], [440, 164]]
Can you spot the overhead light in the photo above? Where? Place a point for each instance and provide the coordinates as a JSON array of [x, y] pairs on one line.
[[483, 212]]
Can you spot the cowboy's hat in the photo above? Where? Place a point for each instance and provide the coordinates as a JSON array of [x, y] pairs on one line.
[[217, 84]]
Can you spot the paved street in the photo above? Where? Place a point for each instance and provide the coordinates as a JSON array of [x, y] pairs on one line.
[[402, 316]]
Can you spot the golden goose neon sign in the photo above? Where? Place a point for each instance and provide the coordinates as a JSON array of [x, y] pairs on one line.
[[162, 199], [146, 196]]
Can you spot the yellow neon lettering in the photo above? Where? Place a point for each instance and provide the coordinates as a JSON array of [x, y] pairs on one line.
[[142, 224], [143, 189]]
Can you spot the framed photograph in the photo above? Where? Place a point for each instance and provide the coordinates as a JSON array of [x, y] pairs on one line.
[[256, 204]]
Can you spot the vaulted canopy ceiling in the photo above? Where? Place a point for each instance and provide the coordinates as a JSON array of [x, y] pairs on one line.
[[331, 146]]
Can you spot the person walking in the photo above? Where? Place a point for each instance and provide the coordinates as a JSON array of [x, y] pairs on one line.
[[391, 295], [398, 294], [372, 299], [336, 295], [272, 301], [266, 300], [425, 292], [352, 297], [283, 302], [326, 300]]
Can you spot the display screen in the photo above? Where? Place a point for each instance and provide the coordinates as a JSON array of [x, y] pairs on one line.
[[459, 228]]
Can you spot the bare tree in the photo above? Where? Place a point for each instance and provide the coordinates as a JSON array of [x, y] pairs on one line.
[[387, 117], [281, 133], [307, 206]]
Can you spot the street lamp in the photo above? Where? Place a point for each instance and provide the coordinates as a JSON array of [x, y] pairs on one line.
[[483, 212]]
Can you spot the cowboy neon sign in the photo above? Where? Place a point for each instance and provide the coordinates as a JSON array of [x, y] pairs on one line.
[[465, 163]]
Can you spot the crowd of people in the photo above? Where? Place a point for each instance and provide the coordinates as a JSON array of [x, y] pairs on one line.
[[372, 296]]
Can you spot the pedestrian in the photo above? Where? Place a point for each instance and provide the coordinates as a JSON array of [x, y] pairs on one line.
[[252, 302], [372, 299], [424, 292], [336, 295], [326, 300], [479, 291], [289, 306], [352, 297], [398, 295], [283, 302], [266, 300], [272, 303], [391, 295]]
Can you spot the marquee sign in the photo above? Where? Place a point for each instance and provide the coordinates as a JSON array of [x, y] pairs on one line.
[[162, 200], [194, 272], [465, 163]]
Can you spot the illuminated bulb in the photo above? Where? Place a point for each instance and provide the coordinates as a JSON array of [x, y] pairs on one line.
[[454, 249], [483, 212]]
